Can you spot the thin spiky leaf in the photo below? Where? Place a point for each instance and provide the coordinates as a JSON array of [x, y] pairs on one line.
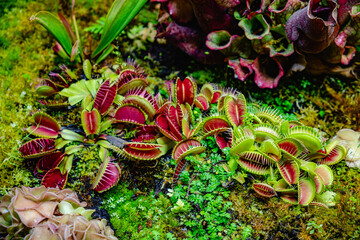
[[265, 131], [37, 148], [269, 114], [107, 177], [289, 170], [137, 154], [105, 97], [90, 121], [264, 189], [46, 126], [307, 191], [53, 103], [142, 146], [240, 145], [270, 147], [235, 109]]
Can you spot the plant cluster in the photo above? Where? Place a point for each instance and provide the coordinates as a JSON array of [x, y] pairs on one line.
[[48, 213], [259, 38]]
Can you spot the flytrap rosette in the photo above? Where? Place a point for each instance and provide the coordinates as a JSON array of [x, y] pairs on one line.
[[46, 126]]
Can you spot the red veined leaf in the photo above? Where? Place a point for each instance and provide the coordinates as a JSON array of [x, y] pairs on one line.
[[46, 126], [216, 96], [167, 128], [130, 114], [47, 163], [175, 115], [185, 91], [129, 79], [264, 189], [37, 147], [90, 121], [289, 170], [215, 124], [325, 174], [105, 97], [235, 109], [179, 168], [291, 146], [307, 191], [185, 148], [223, 139], [141, 98], [107, 177], [337, 154], [201, 102], [137, 154], [54, 178]]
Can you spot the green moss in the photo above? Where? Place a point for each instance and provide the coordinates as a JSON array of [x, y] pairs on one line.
[[138, 215]]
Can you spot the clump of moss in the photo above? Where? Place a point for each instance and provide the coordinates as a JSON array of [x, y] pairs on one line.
[[140, 215]]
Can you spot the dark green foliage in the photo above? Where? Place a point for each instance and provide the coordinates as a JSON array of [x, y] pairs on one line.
[[201, 200], [139, 215]]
